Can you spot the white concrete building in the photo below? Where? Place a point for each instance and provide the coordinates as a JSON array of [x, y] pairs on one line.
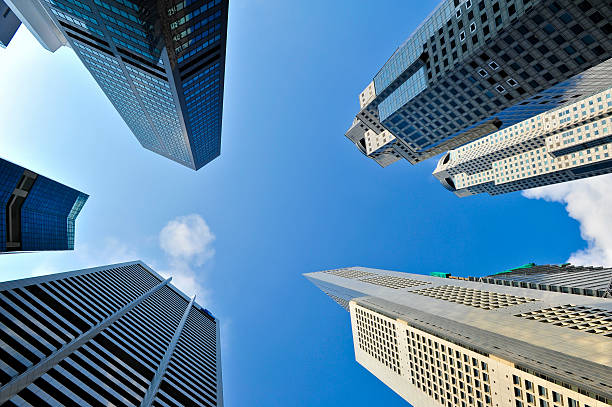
[[444, 342], [565, 144]]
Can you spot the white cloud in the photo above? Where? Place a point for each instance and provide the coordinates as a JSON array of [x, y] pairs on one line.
[[187, 242], [589, 202], [187, 238]]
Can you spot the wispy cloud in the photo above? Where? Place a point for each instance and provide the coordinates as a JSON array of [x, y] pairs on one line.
[[587, 201], [187, 242]]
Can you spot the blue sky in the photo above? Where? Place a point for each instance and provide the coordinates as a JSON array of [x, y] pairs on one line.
[[288, 195]]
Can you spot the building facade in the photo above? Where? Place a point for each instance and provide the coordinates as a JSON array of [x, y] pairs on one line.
[[565, 278], [565, 144], [477, 66], [444, 342], [117, 335], [36, 213], [161, 64], [9, 23]]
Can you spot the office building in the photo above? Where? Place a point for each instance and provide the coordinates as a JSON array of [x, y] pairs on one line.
[[36, 213], [161, 64], [474, 67], [9, 23], [565, 278], [565, 144], [118, 335], [443, 342]]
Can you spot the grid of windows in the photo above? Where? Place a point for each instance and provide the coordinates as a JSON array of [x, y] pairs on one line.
[[587, 319], [556, 146], [471, 297], [394, 282], [528, 393], [377, 336], [108, 73], [446, 373], [125, 57], [350, 273], [489, 65]]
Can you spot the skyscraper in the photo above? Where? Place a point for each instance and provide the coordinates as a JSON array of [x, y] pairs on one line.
[[565, 278], [116, 335], [477, 66], [565, 144], [444, 342], [36, 213], [161, 64], [9, 23]]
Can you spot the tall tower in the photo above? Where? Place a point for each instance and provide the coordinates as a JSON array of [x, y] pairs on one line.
[[115, 335], [441, 342], [160, 63], [477, 66], [36, 213], [565, 144]]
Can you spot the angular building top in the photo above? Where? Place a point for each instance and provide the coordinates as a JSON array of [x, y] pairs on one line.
[[36, 213], [444, 342], [474, 67], [565, 144], [161, 64], [116, 335]]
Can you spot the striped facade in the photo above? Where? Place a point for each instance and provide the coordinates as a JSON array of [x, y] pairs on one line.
[[117, 335]]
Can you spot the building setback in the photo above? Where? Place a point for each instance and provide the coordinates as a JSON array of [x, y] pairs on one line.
[[565, 278], [565, 144], [161, 64], [442, 342], [116, 335], [477, 66], [36, 213]]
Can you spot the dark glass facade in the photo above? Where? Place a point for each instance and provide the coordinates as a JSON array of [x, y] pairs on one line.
[[160, 63], [9, 23], [117, 335], [474, 67], [37, 212]]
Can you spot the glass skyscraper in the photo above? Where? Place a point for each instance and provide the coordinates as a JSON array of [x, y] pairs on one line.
[[118, 335], [36, 213], [160, 63], [478, 66], [444, 342], [9, 23]]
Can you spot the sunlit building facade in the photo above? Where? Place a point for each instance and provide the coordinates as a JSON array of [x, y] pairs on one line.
[[118, 335], [161, 64], [565, 144], [446, 342], [36, 213], [474, 67]]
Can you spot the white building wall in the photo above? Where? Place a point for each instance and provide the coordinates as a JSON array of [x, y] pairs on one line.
[[428, 371]]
